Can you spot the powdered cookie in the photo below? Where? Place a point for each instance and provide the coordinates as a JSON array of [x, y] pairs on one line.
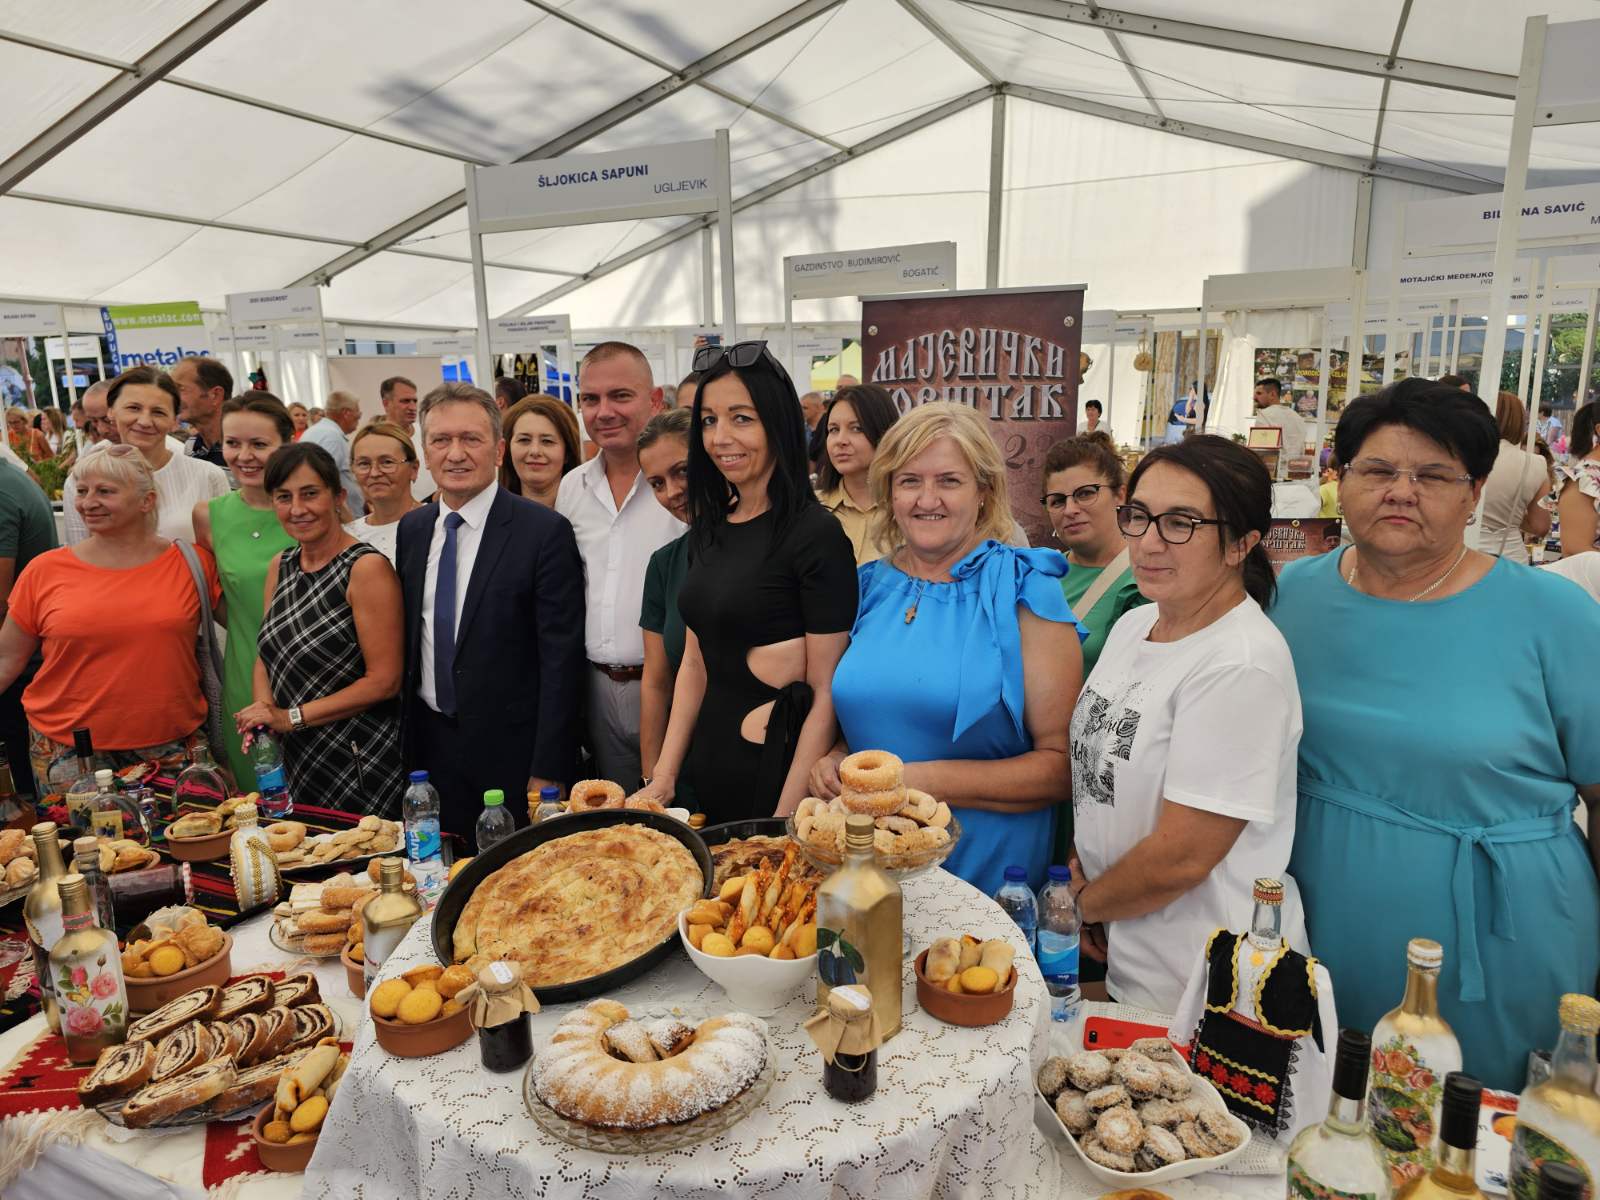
[[1156, 1049], [1220, 1129], [1113, 1095], [1163, 1146], [1119, 1130], [1106, 1156], [1088, 1071], [1139, 1075], [1175, 1081], [1159, 1112], [1194, 1143], [1074, 1113], [1053, 1077]]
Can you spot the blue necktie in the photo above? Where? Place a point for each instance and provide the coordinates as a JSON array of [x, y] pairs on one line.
[[444, 620]]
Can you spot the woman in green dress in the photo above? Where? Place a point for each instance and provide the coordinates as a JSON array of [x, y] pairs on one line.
[[242, 530], [664, 459]]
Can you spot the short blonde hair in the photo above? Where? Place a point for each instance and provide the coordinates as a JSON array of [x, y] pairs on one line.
[[125, 467], [914, 433]]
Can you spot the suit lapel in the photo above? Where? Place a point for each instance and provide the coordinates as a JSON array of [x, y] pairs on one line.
[[414, 570], [496, 533]]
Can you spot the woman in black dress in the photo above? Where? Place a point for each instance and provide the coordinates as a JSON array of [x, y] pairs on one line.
[[767, 603], [330, 651]]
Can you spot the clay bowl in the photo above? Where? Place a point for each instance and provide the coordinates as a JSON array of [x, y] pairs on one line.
[[276, 1157], [147, 995], [353, 973], [201, 849], [961, 1008], [419, 1041]]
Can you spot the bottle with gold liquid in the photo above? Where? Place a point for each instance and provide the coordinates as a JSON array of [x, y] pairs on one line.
[[41, 912], [859, 927], [1452, 1175], [1558, 1121], [1413, 1049], [387, 917], [86, 969]]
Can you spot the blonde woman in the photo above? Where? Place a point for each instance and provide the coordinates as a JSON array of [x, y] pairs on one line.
[[964, 659], [384, 462]]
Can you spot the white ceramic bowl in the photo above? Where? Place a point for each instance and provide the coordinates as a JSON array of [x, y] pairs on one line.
[[1200, 1088], [759, 986]]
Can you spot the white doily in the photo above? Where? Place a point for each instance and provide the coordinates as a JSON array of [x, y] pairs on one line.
[[952, 1116]]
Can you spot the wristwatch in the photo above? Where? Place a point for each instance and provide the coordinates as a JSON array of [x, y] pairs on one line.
[[296, 720]]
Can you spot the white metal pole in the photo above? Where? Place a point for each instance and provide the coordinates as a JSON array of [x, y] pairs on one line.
[[1324, 389], [1505, 249], [1588, 347], [730, 321], [708, 279], [1357, 343], [480, 279], [66, 344], [1200, 377], [997, 178], [1111, 380], [1391, 338], [1540, 300], [788, 319], [49, 367], [1455, 334]]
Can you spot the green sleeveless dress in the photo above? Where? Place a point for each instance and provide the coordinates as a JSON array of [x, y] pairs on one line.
[[244, 540]]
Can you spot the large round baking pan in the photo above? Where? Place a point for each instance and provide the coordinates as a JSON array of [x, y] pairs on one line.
[[463, 885], [733, 831]]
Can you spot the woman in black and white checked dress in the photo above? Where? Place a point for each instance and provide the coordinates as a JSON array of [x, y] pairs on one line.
[[330, 652]]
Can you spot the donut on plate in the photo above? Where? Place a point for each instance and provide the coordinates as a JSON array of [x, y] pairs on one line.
[[591, 795], [871, 771]]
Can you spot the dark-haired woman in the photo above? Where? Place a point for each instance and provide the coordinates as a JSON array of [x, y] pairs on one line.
[[768, 600], [1578, 503], [330, 648], [1184, 737], [541, 447], [664, 461], [242, 530], [855, 421], [1446, 740]]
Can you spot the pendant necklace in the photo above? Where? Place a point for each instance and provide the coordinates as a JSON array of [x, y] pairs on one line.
[[911, 613], [1427, 591]]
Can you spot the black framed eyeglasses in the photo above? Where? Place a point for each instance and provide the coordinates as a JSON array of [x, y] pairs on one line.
[[1174, 528], [740, 354], [1081, 496]]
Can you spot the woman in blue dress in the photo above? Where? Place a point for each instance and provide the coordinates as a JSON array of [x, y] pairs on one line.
[[964, 659], [1450, 712]]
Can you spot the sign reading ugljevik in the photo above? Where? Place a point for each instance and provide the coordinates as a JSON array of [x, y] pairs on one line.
[[1012, 355]]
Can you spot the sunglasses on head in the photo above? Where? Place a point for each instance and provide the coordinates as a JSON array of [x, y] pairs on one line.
[[740, 354]]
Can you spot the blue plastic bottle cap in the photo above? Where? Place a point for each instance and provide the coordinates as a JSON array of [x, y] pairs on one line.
[[551, 794], [419, 777], [492, 797], [1016, 874], [1060, 874]]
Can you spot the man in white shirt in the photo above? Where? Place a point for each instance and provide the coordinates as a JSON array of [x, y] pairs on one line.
[[399, 396], [333, 435], [1271, 410], [619, 525]]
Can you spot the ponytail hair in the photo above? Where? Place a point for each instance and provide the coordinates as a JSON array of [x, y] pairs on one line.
[[1241, 490]]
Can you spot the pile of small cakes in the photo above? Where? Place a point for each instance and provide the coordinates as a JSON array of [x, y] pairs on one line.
[[230, 814], [295, 847], [18, 859], [1131, 1110], [180, 938], [873, 782], [421, 995]]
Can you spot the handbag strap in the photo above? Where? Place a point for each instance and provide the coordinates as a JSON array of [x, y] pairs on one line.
[[198, 574], [1092, 594]]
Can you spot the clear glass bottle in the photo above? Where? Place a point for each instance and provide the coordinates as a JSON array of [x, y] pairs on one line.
[[1452, 1175], [41, 913], [10, 805], [1340, 1159], [83, 789], [1558, 1121], [86, 969], [1413, 1049], [387, 917], [201, 784], [86, 862], [116, 814], [859, 927]]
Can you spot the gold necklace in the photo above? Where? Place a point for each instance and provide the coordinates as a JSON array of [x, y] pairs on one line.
[[1427, 591]]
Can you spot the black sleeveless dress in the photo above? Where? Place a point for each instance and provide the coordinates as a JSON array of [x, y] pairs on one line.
[[755, 587], [308, 645]]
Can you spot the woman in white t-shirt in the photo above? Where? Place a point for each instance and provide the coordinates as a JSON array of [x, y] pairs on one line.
[[1185, 736]]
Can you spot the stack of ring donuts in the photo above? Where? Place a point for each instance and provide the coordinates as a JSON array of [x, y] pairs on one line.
[[592, 795], [909, 821]]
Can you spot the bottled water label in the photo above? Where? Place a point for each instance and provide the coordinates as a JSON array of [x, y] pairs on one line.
[[1058, 961], [272, 779], [422, 841]]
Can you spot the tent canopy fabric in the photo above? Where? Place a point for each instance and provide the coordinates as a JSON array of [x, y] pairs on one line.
[[160, 149]]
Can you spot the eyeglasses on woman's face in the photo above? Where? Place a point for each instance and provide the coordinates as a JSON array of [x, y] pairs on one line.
[[1174, 528], [383, 466], [1375, 473], [1081, 496]]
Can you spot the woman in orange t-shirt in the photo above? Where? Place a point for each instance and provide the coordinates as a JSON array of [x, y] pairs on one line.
[[116, 618]]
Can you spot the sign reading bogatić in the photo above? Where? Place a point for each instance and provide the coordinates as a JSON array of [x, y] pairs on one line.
[[915, 268], [1010, 354], [155, 335]]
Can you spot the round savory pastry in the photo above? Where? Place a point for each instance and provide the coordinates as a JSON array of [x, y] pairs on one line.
[[591, 795], [872, 771], [578, 1074]]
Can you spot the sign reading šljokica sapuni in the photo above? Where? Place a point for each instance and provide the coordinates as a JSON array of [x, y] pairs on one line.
[[665, 180], [155, 335], [1012, 355]]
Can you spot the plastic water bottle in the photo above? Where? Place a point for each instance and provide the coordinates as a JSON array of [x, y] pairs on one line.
[[266, 756], [421, 814], [1015, 897], [548, 806], [1059, 924], [495, 821]]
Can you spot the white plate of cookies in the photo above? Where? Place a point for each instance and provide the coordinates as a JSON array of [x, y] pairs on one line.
[[298, 850], [1140, 1116]]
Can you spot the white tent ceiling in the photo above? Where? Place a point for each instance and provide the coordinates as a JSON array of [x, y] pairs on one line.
[[163, 149]]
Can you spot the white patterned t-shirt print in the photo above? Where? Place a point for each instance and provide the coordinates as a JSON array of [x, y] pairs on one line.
[[1101, 731]]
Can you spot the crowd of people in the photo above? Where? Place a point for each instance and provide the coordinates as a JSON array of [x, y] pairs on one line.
[[709, 615]]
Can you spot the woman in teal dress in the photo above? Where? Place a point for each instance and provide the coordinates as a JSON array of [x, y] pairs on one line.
[[1450, 717], [244, 533], [964, 657]]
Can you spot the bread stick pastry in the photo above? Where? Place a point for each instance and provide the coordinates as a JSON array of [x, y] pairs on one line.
[[119, 1071], [156, 1101], [944, 960]]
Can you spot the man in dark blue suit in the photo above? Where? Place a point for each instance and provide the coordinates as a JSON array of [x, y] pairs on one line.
[[494, 601]]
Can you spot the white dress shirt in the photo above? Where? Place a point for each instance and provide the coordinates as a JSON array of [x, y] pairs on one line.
[[474, 515], [327, 434], [616, 546], [180, 485]]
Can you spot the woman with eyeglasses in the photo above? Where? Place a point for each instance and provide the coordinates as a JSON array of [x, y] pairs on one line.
[[384, 462], [1184, 737], [1450, 717], [964, 658], [767, 601], [242, 530], [854, 423]]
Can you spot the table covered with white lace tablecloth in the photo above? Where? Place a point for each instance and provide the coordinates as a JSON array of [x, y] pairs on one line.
[[952, 1116]]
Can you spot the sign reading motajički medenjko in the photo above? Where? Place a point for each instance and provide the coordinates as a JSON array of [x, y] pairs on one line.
[[1012, 355], [676, 178]]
